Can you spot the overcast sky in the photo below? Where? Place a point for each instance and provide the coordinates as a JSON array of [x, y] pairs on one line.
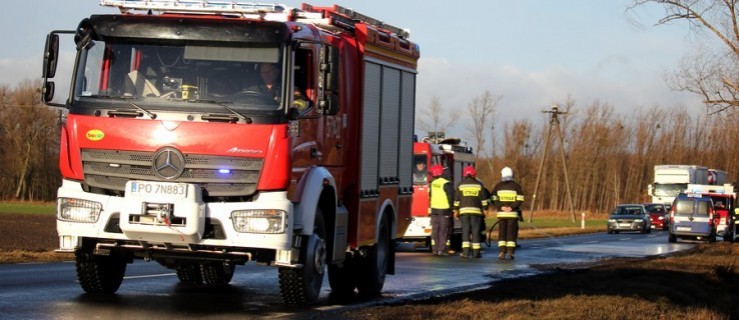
[[531, 52]]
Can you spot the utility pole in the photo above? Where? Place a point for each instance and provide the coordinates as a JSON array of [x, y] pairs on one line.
[[553, 122]]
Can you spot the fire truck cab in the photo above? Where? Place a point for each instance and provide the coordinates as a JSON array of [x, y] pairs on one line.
[[206, 134]]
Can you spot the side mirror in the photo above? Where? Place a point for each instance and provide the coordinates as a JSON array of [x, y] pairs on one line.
[[47, 92], [51, 54]]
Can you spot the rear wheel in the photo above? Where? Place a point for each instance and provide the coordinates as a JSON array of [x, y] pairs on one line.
[[189, 273], [217, 273], [374, 268], [302, 285], [99, 274]]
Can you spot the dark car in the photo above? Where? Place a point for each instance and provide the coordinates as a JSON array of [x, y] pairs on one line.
[[629, 217], [659, 214], [692, 217]]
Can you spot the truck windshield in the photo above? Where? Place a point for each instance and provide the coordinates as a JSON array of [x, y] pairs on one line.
[[669, 189], [164, 77]]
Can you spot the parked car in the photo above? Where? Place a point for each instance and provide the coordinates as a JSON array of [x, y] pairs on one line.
[[629, 217], [659, 215], [692, 217]]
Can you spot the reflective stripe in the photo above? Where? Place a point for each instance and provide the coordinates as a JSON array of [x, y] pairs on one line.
[[470, 190], [466, 244], [507, 195], [510, 244], [470, 210], [476, 246], [501, 243], [519, 197], [511, 214]]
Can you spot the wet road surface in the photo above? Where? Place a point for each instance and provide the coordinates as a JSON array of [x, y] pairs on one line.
[[51, 291]]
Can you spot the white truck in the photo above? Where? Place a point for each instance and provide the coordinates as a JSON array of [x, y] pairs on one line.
[[671, 179]]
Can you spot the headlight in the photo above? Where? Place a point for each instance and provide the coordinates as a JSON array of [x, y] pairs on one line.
[[662, 218], [611, 220], [78, 210], [259, 221], [638, 220]]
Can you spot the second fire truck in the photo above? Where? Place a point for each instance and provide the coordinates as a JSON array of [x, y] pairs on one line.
[[453, 156]]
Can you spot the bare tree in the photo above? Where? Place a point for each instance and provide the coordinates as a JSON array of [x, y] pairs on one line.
[[436, 119], [713, 76], [481, 111], [28, 134]]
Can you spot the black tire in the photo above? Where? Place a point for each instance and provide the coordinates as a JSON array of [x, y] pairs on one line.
[[672, 238], [374, 268], [610, 231], [189, 273], [217, 273], [302, 285], [99, 275]]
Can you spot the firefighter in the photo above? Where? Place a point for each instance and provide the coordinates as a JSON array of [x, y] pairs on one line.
[[470, 204], [441, 199], [507, 197]]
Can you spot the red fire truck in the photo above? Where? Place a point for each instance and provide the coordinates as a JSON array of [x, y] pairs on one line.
[[206, 134], [453, 157]]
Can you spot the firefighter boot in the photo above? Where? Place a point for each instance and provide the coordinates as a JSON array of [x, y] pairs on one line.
[[501, 253], [511, 251], [465, 253], [476, 253]]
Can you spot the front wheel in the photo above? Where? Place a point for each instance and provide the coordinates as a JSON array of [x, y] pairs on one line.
[[302, 285], [374, 268], [99, 275]]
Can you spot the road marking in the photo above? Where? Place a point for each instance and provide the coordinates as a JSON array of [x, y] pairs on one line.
[[588, 242], [150, 276], [624, 239]]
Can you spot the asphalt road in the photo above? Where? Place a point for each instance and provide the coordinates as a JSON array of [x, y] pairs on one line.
[[51, 291]]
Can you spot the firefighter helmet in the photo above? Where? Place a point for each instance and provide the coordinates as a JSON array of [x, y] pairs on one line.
[[469, 171], [436, 170], [506, 173]]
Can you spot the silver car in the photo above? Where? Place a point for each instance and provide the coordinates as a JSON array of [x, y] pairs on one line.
[[629, 217]]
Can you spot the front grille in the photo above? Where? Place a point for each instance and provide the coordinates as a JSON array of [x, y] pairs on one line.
[[110, 170]]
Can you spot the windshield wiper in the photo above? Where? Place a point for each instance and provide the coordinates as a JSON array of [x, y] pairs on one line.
[[149, 113], [220, 117]]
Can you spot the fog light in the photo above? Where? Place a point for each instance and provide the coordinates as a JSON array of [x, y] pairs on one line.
[[78, 210], [259, 221]]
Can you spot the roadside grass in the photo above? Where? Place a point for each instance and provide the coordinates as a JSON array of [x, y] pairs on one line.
[[26, 256], [28, 207]]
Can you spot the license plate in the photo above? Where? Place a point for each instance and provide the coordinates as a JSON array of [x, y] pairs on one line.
[[683, 228], [624, 225], [168, 189]]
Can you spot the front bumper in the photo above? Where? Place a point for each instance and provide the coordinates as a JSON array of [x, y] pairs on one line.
[[174, 223]]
